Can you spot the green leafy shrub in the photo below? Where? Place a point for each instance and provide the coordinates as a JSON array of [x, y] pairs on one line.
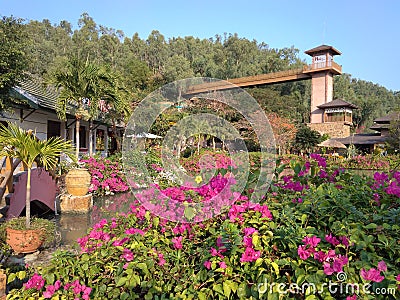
[[320, 227]]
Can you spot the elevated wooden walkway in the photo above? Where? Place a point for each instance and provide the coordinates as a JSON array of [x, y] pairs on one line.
[[269, 78]]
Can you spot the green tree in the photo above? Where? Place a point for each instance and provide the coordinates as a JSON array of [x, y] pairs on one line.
[[393, 141], [47, 44], [82, 85], [306, 139], [86, 39], [18, 143], [14, 60], [177, 67]]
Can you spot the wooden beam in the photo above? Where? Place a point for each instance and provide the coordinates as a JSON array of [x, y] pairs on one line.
[[270, 78]]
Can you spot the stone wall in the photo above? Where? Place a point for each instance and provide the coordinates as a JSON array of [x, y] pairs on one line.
[[334, 129]]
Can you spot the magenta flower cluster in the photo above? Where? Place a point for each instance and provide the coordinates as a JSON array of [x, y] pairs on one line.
[[367, 162], [374, 274], [106, 176], [332, 262], [37, 282], [385, 184], [249, 254]]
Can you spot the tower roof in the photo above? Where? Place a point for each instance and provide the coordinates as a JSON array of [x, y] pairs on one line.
[[389, 117], [337, 103], [323, 48]]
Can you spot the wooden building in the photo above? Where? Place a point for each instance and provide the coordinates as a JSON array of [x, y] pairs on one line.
[[36, 110], [368, 142]]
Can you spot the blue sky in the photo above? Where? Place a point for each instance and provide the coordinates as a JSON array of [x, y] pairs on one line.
[[366, 32]]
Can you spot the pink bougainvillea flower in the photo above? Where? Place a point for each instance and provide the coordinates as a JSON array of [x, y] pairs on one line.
[[222, 265], [248, 241], [127, 255], [398, 277], [249, 231], [177, 241], [320, 256], [371, 275], [312, 241], [353, 297], [304, 252], [134, 231], [220, 243], [117, 243], [161, 260], [338, 262], [207, 264], [35, 282], [331, 239], [57, 285], [50, 290], [344, 240], [213, 251], [382, 266], [328, 270], [250, 255]]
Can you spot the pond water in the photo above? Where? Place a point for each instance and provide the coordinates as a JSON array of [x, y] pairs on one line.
[[73, 226]]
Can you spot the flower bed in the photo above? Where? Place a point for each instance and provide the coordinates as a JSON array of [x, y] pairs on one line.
[[107, 176], [318, 234]]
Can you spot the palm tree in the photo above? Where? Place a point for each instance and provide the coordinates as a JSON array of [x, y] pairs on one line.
[[21, 144], [116, 106], [82, 85]]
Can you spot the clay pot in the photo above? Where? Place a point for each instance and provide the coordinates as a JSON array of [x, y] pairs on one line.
[[77, 182], [24, 240]]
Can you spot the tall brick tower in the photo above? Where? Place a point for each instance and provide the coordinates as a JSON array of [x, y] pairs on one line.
[[322, 70]]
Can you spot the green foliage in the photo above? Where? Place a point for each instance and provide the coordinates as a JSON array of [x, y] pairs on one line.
[[25, 146], [19, 143], [14, 59], [136, 256], [393, 141], [146, 64], [306, 139]]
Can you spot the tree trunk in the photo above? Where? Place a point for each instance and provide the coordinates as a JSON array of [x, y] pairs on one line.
[[28, 200], [198, 145], [213, 143], [77, 127], [91, 137]]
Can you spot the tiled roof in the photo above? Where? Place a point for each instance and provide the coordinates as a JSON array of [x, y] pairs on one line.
[[323, 48], [37, 94], [379, 127], [363, 139], [337, 103], [389, 117]]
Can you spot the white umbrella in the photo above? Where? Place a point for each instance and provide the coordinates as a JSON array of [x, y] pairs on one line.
[[145, 135], [332, 144]]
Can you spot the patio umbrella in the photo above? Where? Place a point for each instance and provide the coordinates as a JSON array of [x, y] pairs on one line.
[[332, 144], [145, 135]]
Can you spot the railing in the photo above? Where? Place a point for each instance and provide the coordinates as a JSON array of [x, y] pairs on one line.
[[323, 65], [6, 183]]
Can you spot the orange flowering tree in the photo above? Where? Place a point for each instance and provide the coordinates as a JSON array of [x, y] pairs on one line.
[[284, 131]]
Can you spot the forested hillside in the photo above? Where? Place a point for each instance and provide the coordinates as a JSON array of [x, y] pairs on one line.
[[144, 64]]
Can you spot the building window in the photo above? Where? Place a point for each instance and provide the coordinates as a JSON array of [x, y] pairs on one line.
[[335, 117], [82, 137], [100, 140], [53, 129]]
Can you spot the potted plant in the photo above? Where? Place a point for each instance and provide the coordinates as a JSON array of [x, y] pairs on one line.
[[22, 144], [22, 240]]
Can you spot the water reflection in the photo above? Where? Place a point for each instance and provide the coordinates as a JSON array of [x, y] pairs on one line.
[[74, 226]]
